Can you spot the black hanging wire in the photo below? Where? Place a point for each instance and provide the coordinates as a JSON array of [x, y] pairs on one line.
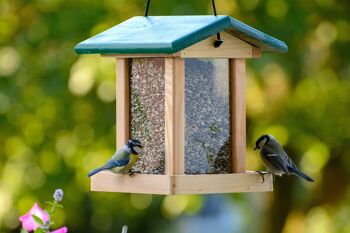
[[218, 41], [147, 7]]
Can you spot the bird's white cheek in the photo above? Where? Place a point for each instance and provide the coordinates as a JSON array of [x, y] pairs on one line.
[[137, 149]]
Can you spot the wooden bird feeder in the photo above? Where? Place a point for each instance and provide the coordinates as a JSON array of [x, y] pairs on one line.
[[184, 99]]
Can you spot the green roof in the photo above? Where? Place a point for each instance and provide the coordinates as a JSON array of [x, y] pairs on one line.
[[170, 34]]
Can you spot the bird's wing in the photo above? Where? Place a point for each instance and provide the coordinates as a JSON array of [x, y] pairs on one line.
[[277, 161], [112, 163], [121, 158], [289, 160]]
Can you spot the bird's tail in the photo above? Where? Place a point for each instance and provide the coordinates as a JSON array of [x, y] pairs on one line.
[[300, 174], [97, 170]]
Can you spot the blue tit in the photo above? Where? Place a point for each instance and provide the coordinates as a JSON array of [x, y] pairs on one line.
[[276, 159], [123, 160]]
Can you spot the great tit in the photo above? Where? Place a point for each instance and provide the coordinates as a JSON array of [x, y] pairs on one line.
[[275, 159], [122, 160]]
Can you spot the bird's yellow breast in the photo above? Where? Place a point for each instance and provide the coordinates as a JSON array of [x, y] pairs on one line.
[[126, 168]]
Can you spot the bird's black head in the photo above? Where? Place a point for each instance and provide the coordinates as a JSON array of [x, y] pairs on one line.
[[135, 146], [262, 141]]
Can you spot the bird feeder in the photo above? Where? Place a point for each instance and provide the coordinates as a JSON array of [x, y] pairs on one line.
[[182, 94]]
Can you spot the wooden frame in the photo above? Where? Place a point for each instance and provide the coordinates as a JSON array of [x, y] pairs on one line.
[[175, 181], [174, 116], [122, 102], [238, 114], [231, 48], [181, 184]]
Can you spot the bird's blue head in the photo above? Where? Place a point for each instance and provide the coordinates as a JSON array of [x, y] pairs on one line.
[[135, 146]]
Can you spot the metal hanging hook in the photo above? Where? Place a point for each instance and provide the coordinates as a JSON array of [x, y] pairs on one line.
[[218, 41]]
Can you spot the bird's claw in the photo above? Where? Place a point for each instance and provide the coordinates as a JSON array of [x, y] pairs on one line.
[[262, 173], [132, 173]]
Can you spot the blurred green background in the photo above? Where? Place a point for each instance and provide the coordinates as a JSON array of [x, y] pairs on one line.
[[57, 117]]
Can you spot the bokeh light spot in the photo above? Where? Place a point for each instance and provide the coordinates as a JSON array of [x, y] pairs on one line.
[[277, 8], [326, 33], [256, 101], [9, 61], [250, 5], [5, 201], [173, 206], [83, 134], [49, 161], [106, 91], [81, 81], [276, 82], [13, 175], [140, 201], [295, 222], [65, 145], [34, 177], [34, 131], [194, 205], [227, 7], [318, 221], [315, 158], [9, 22], [48, 109]]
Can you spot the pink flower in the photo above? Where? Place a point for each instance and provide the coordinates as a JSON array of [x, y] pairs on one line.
[[60, 230], [28, 223]]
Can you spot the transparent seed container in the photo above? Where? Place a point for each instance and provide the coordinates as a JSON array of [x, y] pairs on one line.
[[147, 112], [207, 116]]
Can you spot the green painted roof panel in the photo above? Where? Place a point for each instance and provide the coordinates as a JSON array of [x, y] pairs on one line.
[[170, 34]]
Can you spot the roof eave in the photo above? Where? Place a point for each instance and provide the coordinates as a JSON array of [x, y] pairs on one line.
[[257, 38], [118, 49]]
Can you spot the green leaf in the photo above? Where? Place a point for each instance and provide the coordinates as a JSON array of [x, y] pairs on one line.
[[23, 231], [49, 203], [37, 219], [59, 205], [52, 223], [39, 230]]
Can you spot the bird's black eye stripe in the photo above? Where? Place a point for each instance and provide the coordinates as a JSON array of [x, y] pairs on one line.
[[267, 139], [261, 139]]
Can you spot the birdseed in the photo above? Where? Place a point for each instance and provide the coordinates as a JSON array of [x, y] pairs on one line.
[[207, 116], [147, 112]]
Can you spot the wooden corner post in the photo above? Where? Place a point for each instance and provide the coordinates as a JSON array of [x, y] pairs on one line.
[[122, 102], [238, 114], [174, 116]]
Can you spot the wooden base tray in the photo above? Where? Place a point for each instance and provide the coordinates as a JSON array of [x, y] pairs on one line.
[[181, 184]]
